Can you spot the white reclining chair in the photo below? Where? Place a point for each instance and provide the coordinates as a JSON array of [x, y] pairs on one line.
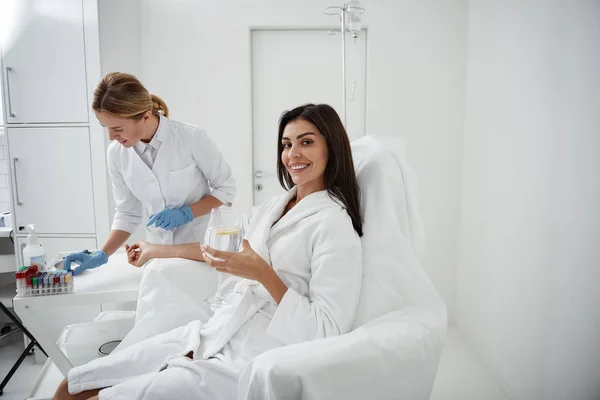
[[394, 349]]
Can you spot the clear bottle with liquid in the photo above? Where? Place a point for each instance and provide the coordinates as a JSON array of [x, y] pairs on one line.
[[34, 253]]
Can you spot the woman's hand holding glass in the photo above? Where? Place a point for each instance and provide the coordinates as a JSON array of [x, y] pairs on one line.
[[225, 231], [244, 264]]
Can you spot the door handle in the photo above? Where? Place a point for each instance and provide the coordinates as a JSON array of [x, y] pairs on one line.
[[10, 111], [260, 174], [15, 159]]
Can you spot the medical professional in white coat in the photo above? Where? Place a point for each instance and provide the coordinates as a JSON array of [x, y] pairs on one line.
[[298, 279], [169, 169]]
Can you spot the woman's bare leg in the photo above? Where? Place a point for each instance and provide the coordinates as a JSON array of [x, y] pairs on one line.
[[62, 393]]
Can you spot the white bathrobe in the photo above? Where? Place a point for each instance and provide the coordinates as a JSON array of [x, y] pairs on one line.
[[316, 253]]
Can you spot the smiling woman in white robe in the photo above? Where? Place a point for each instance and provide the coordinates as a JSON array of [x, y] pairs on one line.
[[299, 276]]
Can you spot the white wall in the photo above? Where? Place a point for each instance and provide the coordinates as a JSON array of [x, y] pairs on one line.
[[120, 50], [528, 282], [196, 56], [416, 86], [120, 46]]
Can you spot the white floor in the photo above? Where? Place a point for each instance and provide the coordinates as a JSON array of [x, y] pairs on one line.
[[461, 374]]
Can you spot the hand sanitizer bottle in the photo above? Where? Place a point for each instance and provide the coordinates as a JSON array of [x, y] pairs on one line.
[[34, 253]]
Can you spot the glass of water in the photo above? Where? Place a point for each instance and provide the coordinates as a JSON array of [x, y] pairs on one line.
[[225, 232]]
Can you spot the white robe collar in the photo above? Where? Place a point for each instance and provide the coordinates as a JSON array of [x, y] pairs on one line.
[[262, 232], [272, 224]]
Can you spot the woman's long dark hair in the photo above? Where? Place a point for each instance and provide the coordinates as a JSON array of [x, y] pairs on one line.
[[339, 176]]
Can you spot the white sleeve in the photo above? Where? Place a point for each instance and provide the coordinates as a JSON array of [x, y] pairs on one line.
[[214, 167], [128, 210], [330, 307]]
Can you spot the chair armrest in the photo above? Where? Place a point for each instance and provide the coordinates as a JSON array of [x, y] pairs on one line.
[[393, 357]]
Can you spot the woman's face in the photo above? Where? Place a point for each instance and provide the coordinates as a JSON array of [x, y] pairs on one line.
[[304, 154], [126, 131]]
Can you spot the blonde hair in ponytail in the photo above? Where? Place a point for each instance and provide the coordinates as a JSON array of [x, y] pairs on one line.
[[158, 105], [124, 96]]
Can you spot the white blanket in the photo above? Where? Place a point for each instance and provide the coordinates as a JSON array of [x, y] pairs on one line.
[[171, 294]]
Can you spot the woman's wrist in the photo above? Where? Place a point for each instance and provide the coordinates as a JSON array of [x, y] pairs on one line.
[[158, 251], [274, 285], [266, 276], [205, 205], [191, 251]]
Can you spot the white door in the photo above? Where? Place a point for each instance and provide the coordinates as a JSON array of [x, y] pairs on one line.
[[294, 67], [44, 64], [51, 179]]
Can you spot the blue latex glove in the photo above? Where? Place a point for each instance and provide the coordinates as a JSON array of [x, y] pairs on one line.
[[171, 218], [86, 260]]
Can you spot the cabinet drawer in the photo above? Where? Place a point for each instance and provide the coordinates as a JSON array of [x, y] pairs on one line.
[[44, 66], [52, 179]]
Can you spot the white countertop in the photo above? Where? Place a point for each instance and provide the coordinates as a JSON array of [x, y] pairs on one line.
[[5, 231]]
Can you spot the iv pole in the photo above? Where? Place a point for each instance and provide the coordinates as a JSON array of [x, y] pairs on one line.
[[353, 12]]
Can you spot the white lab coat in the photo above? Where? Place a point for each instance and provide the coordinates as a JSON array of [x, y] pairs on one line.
[[316, 253], [188, 167]]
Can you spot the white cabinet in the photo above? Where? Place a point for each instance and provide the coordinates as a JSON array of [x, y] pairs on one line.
[[44, 67], [52, 179], [55, 151]]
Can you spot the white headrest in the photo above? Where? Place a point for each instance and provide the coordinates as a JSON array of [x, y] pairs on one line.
[[393, 234], [382, 160]]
